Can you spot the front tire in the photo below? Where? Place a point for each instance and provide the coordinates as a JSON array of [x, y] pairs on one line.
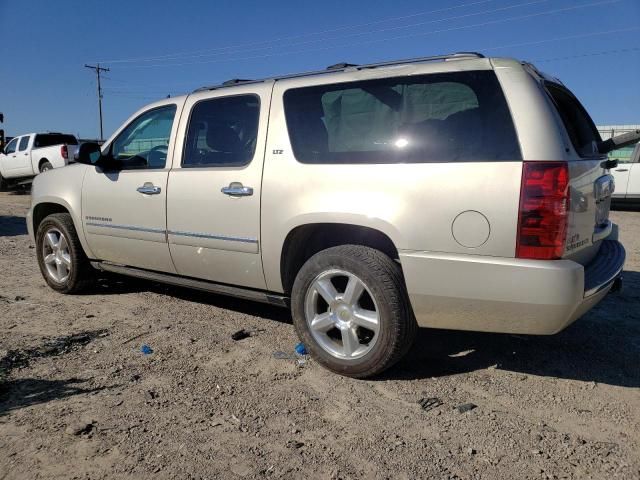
[[351, 309], [62, 262]]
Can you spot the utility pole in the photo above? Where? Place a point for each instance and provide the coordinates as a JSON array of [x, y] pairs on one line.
[[97, 68]]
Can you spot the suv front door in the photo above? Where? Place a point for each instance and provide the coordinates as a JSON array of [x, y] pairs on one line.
[[124, 205], [213, 209]]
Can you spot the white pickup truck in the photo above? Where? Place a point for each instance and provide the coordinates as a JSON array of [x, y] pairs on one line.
[[627, 176], [27, 155]]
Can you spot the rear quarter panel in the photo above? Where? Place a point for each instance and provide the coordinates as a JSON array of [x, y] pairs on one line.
[[415, 205]]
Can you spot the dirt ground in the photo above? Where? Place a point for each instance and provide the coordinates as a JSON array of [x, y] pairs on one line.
[[78, 399]]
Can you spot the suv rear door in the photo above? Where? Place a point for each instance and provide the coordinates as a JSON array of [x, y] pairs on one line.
[[213, 209], [591, 186]]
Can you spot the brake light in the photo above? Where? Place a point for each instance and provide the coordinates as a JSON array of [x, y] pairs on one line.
[[544, 208], [64, 151]]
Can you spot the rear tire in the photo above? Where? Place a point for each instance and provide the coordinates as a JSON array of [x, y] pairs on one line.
[[350, 308], [62, 262], [46, 166]]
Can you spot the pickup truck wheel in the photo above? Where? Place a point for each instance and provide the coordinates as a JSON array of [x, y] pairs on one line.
[[3, 184], [351, 309], [63, 263], [45, 166]]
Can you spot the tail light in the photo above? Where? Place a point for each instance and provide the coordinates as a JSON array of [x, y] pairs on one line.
[[544, 208], [64, 151]]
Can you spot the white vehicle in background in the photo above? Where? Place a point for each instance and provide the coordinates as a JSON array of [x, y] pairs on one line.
[[627, 175], [25, 156]]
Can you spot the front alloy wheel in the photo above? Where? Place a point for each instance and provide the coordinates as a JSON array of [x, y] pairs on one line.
[[55, 254], [63, 263]]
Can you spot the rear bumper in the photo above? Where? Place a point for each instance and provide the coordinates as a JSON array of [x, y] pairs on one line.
[[466, 292]]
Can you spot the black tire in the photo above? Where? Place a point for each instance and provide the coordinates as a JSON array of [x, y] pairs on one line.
[[46, 165], [3, 184], [81, 274], [383, 279]]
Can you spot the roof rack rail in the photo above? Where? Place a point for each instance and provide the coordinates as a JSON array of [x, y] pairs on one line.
[[235, 81], [340, 66], [343, 66]]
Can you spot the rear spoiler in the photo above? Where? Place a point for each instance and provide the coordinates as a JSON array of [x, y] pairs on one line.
[[619, 141]]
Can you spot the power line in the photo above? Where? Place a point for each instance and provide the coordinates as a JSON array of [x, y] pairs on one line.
[[293, 37], [559, 39], [161, 90], [351, 35], [590, 54], [367, 42], [97, 68]]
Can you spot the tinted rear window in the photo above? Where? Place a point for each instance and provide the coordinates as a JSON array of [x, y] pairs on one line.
[[461, 116], [48, 139], [581, 130]]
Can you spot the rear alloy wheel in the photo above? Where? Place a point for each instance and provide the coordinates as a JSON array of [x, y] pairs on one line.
[[45, 166], [351, 310], [63, 263]]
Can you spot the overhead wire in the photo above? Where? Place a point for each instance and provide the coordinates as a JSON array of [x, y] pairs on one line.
[[305, 35], [367, 42], [360, 34]]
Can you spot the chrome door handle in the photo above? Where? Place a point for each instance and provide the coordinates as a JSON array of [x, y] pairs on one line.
[[236, 189], [622, 169], [149, 189]]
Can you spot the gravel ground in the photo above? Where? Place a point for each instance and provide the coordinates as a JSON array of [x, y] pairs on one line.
[[79, 400]]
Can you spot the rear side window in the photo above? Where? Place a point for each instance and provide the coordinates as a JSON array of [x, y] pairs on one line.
[[581, 130], [48, 139], [448, 117], [222, 132], [24, 142]]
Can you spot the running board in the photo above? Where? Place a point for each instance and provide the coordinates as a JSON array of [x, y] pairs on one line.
[[239, 292]]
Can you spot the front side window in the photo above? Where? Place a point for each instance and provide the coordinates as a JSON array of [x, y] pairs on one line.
[[144, 143], [24, 142], [222, 132], [459, 116], [11, 147]]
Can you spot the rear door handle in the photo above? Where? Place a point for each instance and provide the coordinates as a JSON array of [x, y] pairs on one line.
[[622, 169], [236, 189], [149, 189]]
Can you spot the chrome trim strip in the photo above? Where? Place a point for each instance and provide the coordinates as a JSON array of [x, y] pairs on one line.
[[175, 232], [213, 237], [127, 227]]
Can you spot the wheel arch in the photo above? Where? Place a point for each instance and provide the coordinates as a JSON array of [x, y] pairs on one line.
[[47, 207], [304, 241], [41, 161]]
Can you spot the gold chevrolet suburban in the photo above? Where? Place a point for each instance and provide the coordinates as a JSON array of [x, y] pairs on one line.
[[456, 192]]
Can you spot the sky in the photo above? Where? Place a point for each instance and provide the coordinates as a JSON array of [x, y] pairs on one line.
[[156, 48]]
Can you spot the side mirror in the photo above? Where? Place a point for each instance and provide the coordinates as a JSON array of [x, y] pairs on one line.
[[88, 153]]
